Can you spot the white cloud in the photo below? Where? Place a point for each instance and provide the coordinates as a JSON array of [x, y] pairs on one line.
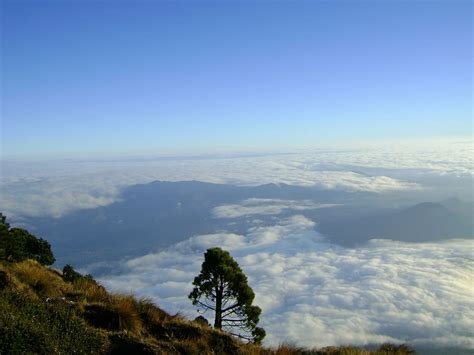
[[312, 293], [58, 187], [265, 206], [316, 294]]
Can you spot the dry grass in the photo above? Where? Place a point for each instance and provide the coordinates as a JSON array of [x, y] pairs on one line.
[[192, 346], [91, 290], [150, 313], [387, 348], [120, 314], [129, 316], [282, 349], [44, 282], [286, 349], [180, 317], [252, 349], [343, 350]]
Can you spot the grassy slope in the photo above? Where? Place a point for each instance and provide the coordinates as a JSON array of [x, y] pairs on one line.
[[43, 314]]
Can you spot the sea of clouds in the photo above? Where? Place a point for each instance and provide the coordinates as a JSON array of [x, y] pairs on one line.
[[56, 187], [265, 206], [312, 293], [318, 294]]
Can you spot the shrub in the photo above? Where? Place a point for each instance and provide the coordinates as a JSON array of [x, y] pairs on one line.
[[69, 274], [17, 244]]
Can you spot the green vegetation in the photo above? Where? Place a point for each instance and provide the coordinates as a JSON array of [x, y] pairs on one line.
[[69, 274], [46, 311], [222, 288], [17, 244], [43, 313]]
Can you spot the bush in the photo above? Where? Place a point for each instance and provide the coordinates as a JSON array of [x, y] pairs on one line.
[[17, 244], [69, 274]]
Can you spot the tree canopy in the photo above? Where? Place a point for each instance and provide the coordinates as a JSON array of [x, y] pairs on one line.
[[222, 287], [17, 244]]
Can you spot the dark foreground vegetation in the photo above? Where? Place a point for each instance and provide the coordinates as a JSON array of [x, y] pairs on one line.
[[47, 311]]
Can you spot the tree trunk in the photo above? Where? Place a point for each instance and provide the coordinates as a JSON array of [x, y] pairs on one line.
[[218, 311]]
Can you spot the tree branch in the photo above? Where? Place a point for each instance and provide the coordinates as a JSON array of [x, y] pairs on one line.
[[240, 336], [204, 305], [230, 307], [234, 320]]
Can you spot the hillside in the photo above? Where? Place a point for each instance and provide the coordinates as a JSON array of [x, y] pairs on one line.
[[47, 312]]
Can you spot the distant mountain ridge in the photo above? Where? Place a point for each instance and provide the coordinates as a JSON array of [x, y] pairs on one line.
[[151, 216], [424, 222]]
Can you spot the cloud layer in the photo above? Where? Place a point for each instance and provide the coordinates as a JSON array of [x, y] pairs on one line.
[[316, 294], [58, 187], [263, 206]]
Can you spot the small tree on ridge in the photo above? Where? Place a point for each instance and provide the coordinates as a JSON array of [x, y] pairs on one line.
[[222, 287]]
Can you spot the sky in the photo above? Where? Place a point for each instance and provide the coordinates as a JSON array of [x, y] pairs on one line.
[[103, 77]]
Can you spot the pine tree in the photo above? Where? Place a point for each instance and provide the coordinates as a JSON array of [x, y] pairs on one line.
[[222, 288]]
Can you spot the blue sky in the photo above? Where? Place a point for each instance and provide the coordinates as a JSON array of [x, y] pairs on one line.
[[96, 77]]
